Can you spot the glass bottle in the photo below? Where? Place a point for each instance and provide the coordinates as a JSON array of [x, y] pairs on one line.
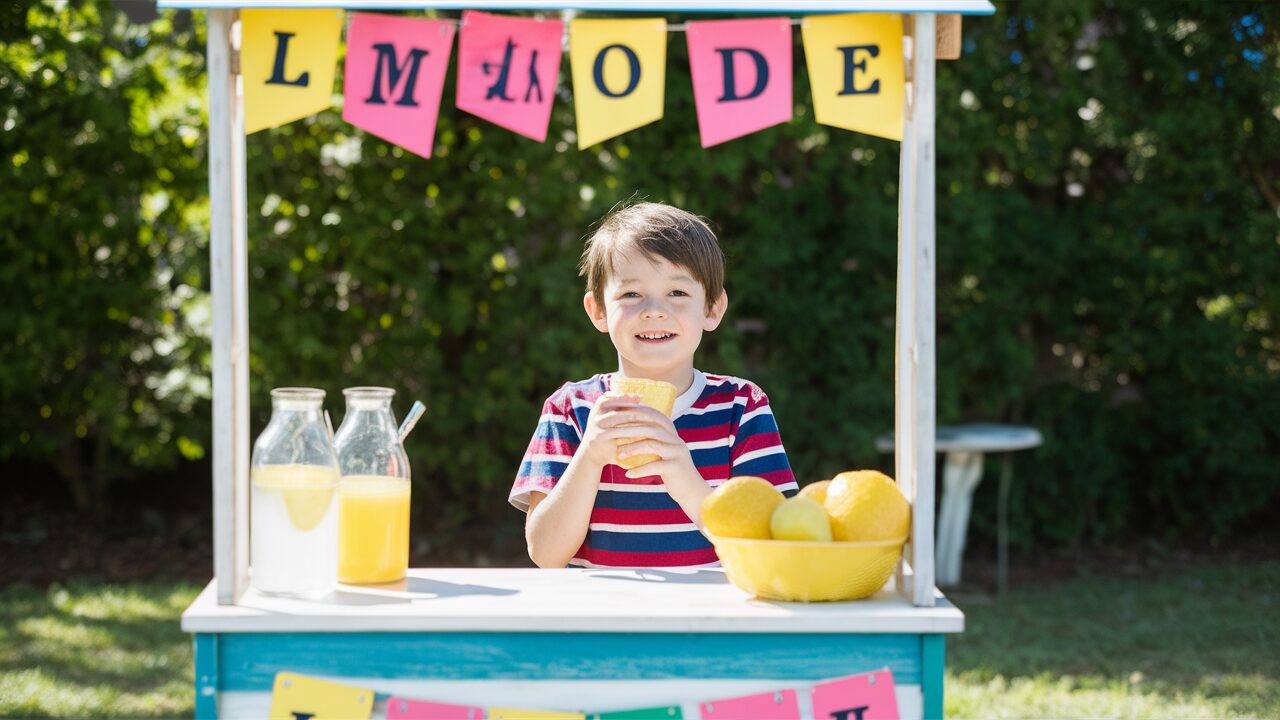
[[293, 526], [373, 494]]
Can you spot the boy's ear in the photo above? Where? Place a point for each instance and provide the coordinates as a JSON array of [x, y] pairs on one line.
[[716, 314], [595, 311]]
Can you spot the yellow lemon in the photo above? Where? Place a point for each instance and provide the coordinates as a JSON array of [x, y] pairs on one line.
[[741, 508], [867, 505], [800, 518], [816, 491], [307, 490]]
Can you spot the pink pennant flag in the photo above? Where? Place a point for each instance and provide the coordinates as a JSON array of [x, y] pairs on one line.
[[395, 76], [780, 705], [399, 708], [507, 70], [741, 75], [868, 696]]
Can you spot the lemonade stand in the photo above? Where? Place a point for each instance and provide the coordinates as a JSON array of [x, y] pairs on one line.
[[474, 643]]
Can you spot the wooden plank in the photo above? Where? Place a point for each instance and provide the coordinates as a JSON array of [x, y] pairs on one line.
[[922, 377], [967, 7], [251, 660], [903, 389], [240, 334], [208, 684], [949, 39], [570, 601], [221, 291], [933, 662]]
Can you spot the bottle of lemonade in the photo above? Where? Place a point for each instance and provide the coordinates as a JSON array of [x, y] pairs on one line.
[[293, 523], [373, 495]]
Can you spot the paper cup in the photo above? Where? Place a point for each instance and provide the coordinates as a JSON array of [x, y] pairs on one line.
[[658, 395]]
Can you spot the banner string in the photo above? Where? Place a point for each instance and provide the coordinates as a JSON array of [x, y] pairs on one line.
[[674, 28]]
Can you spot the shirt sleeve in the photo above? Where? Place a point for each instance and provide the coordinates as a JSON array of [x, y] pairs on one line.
[[555, 440], [757, 446]]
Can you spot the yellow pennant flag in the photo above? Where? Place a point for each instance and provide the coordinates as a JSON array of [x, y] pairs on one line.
[[295, 696], [287, 58], [856, 71], [619, 74]]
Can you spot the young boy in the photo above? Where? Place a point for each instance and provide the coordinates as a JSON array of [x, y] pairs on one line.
[[655, 283]]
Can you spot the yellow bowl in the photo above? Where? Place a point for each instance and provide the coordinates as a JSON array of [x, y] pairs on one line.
[[808, 571]]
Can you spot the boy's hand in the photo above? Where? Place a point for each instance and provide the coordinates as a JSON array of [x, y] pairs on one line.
[[614, 417], [661, 439]]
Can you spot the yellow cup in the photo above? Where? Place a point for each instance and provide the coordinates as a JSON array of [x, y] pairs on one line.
[[658, 395]]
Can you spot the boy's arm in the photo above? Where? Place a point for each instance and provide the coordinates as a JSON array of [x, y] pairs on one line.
[[557, 522]]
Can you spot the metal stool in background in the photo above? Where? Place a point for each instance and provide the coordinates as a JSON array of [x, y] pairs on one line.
[[965, 446]]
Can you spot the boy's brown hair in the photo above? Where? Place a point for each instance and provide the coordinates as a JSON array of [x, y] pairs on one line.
[[659, 231]]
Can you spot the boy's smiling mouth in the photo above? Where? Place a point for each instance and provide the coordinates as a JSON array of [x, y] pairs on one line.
[[654, 337]]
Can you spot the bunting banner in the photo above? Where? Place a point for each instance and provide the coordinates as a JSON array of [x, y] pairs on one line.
[[856, 71], [296, 696], [287, 60], [866, 696], [741, 76], [394, 77], [619, 75], [507, 70], [779, 705]]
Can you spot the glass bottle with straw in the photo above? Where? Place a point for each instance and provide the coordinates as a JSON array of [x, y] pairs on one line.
[[373, 494]]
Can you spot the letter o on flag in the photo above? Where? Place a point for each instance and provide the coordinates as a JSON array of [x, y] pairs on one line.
[[598, 70]]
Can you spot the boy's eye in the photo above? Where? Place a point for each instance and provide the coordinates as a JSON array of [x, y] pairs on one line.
[[679, 293], [630, 294]]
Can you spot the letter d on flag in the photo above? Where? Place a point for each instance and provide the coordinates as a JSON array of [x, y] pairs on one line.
[[741, 75], [287, 58]]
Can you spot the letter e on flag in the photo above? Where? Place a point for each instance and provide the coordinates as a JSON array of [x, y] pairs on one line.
[[288, 60], [394, 77], [856, 71]]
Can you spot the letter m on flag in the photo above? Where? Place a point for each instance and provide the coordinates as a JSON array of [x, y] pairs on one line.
[[395, 72], [387, 61]]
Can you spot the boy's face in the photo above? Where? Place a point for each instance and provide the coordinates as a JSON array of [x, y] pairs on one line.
[[655, 313]]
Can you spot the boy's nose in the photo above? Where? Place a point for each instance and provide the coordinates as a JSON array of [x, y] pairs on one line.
[[653, 310]]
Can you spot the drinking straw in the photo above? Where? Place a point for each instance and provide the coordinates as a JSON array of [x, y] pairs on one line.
[[411, 418]]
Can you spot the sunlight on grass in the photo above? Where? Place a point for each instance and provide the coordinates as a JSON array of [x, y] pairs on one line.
[[1196, 644], [85, 650]]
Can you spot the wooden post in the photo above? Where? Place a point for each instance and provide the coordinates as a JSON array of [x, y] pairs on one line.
[[914, 379], [228, 286]]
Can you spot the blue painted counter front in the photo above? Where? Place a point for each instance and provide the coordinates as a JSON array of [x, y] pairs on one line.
[[586, 640]]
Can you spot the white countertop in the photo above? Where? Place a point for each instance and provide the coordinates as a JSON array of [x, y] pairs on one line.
[[570, 600]]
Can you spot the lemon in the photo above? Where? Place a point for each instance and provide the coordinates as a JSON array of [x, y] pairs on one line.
[[307, 490], [741, 508], [867, 505], [816, 491], [800, 518]]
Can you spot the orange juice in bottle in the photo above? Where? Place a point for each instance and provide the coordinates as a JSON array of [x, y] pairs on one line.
[[373, 494]]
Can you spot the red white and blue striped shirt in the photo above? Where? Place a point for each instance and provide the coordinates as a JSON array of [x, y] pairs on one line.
[[730, 431]]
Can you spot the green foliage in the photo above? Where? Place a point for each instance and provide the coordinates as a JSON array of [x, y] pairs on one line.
[[100, 168], [1106, 262]]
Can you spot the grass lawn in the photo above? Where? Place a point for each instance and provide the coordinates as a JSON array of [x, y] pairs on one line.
[[1199, 643]]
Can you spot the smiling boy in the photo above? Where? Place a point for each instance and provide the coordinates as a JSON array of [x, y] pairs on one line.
[[655, 284]]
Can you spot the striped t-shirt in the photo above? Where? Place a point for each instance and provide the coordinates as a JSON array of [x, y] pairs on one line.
[[730, 431]]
